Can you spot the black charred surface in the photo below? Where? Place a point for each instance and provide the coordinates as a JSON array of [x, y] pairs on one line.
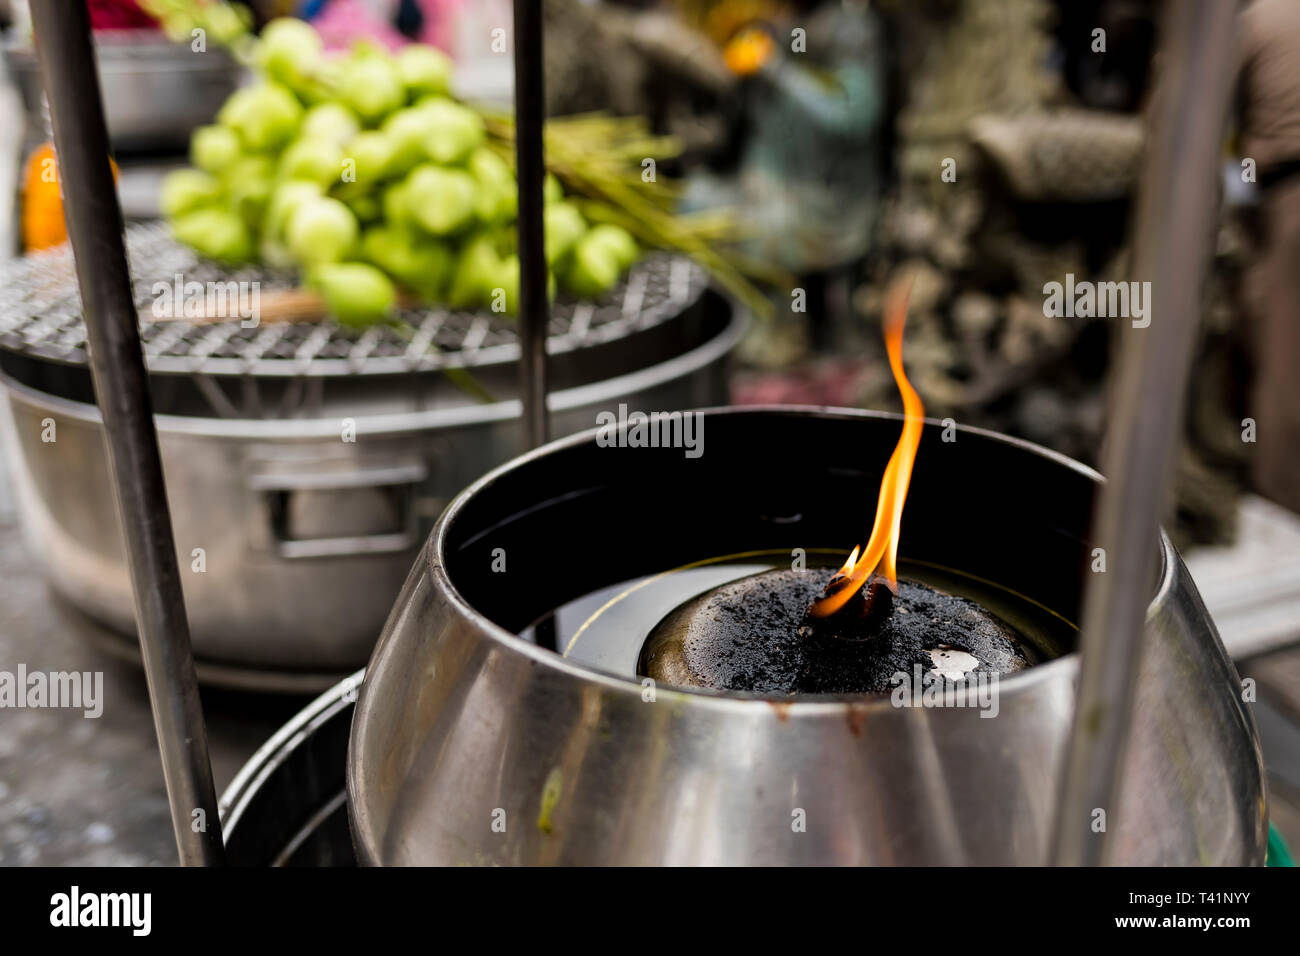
[[862, 616], [752, 635]]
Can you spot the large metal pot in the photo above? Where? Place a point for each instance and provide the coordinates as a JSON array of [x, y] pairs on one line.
[[155, 92], [305, 536], [472, 745], [305, 463]]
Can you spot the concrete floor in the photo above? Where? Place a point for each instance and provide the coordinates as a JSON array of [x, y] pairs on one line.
[[85, 791]]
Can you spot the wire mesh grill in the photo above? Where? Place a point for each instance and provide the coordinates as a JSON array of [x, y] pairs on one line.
[[41, 316]]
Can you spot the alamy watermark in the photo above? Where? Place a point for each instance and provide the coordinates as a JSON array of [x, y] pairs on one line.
[[1103, 300], [72, 690], [179, 299], [74, 909], [655, 430], [932, 688]]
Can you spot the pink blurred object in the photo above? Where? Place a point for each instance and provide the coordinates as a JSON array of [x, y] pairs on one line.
[[826, 383], [343, 22], [118, 15], [439, 20]]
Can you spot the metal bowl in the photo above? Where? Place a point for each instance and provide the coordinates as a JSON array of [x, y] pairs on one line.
[[286, 806], [155, 93], [472, 745]]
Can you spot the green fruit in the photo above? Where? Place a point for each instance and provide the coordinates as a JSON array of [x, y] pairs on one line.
[[321, 230], [496, 204], [487, 167], [498, 197], [453, 131], [372, 156], [594, 269], [503, 295], [356, 294], [237, 104], [500, 287], [406, 130], [254, 164], [618, 240], [226, 22], [423, 70], [248, 183], [418, 262], [333, 122], [214, 148], [284, 202], [179, 26], [364, 203], [552, 191], [274, 253], [215, 233], [186, 190], [265, 117], [564, 226], [476, 273], [369, 83], [441, 200], [312, 160], [249, 198], [396, 206], [322, 85], [289, 51]]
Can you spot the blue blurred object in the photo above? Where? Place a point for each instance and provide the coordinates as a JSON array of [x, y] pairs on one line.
[[1278, 853]]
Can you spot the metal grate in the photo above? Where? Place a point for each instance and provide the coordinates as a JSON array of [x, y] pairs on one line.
[[41, 316]]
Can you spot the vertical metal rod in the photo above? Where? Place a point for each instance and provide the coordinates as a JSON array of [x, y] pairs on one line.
[[534, 306], [1177, 216], [63, 39]]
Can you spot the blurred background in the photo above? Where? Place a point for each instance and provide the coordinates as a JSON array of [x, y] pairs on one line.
[[985, 147]]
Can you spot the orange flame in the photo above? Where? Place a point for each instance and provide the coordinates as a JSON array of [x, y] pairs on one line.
[[881, 551]]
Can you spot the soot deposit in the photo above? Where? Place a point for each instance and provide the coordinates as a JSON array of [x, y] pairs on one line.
[[752, 635]]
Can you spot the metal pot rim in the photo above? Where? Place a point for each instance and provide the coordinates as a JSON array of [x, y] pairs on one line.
[[121, 50], [806, 707], [268, 757]]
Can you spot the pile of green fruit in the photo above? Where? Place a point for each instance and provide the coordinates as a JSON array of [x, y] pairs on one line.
[[362, 171]]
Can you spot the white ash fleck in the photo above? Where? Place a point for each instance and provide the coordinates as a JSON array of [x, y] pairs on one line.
[[951, 663]]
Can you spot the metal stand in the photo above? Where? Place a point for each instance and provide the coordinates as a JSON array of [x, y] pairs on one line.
[[534, 306], [1176, 219], [121, 387]]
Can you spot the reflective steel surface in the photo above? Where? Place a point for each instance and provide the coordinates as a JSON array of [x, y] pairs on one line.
[[470, 745], [155, 92]]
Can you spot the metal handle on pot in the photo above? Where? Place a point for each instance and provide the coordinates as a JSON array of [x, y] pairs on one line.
[[279, 488]]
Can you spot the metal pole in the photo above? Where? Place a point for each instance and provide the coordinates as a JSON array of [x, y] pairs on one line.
[[62, 29], [1177, 217], [534, 307]]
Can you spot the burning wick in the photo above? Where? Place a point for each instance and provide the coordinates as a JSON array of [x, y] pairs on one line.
[[878, 559]]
